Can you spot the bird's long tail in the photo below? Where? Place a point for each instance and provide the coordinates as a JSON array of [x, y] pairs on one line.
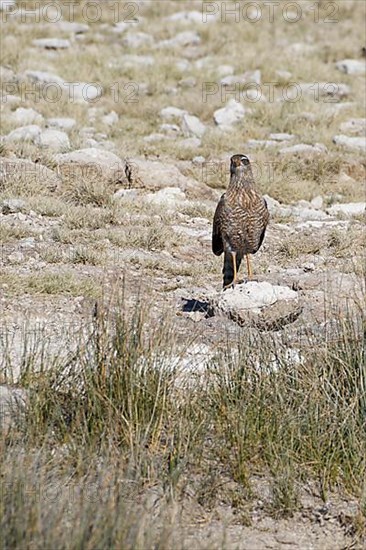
[[228, 269]]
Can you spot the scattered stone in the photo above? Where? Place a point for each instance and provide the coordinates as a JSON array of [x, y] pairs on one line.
[[230, 114], [52, 43], [317, 202], [182, 39], [54, 139], [169, 196], [354, 126], [137, 39], [131, 61], [24, 117], [190, 143], [170, 129], [192, 126], [284, 75], [351, 66], [111, 119], [151, 138], [125, 193], [62, 123], [97, 162], [44, 77], [189, 82], [24, 133], [183, 65], [12, 206], [261, 143], [71, 27], [281, 137], [351, 143], [349, 209], [7, 75], [199, 160], [186, 17], [172, 112], [304, 148], [16, 257], [81, 92]]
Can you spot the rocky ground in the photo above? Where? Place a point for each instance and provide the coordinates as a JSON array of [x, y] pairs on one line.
[[115, 147]]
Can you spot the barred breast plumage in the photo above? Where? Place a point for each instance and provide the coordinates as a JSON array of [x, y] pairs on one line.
[[240, 220]]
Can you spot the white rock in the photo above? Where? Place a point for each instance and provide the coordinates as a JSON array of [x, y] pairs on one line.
[[351, 66], [16, 257], [12, 206], [199, 160], [169, 113], [317, 202], [170, 129], [82, 92], [54, 139], [261, 143], [284, 75], [349, 209], [351, 143], [253, 77], [111, 119], [26, 116], [254, 296], [131, 61], [186, 38], [71, 27], [192, 126], [230, 114], [137, 39], [24, 133], [44, 77], [192, 142], [169, 196], [51, 43], [186, 17], [303, 148], [354, 126], [224, 70], [281, 137], [62, 123], [183, 65], [151, 138]]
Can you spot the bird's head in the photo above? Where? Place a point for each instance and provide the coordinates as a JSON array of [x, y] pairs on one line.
[[239, 165]]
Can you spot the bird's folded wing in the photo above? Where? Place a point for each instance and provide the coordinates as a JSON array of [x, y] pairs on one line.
[[217, 244]]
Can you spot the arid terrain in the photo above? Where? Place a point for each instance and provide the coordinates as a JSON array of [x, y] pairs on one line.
[[141, 405]]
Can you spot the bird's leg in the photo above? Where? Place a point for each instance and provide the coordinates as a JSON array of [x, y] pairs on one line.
[[235, 279], [249, 267]]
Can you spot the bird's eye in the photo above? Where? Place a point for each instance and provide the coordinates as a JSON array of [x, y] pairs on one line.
[[244, 159]]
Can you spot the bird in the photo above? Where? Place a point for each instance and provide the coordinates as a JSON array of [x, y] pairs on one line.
[[240, 221]]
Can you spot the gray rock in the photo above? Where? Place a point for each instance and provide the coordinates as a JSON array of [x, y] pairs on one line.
[[111, 119], [351, 66], [182, 39], [151, 138], [224, 70], [169, 113], [192, 126], [54, 139], [12, 206], [62, 123], [125, 194], [13, 403], [283, 75], [24, 117], [199, 160], [349, 209], [261, 143], [351, 143], [354, 126], [24, 133], [51, 43], [304, 148], [44, 77], [99, 162], [137, 39], [230, 114]]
